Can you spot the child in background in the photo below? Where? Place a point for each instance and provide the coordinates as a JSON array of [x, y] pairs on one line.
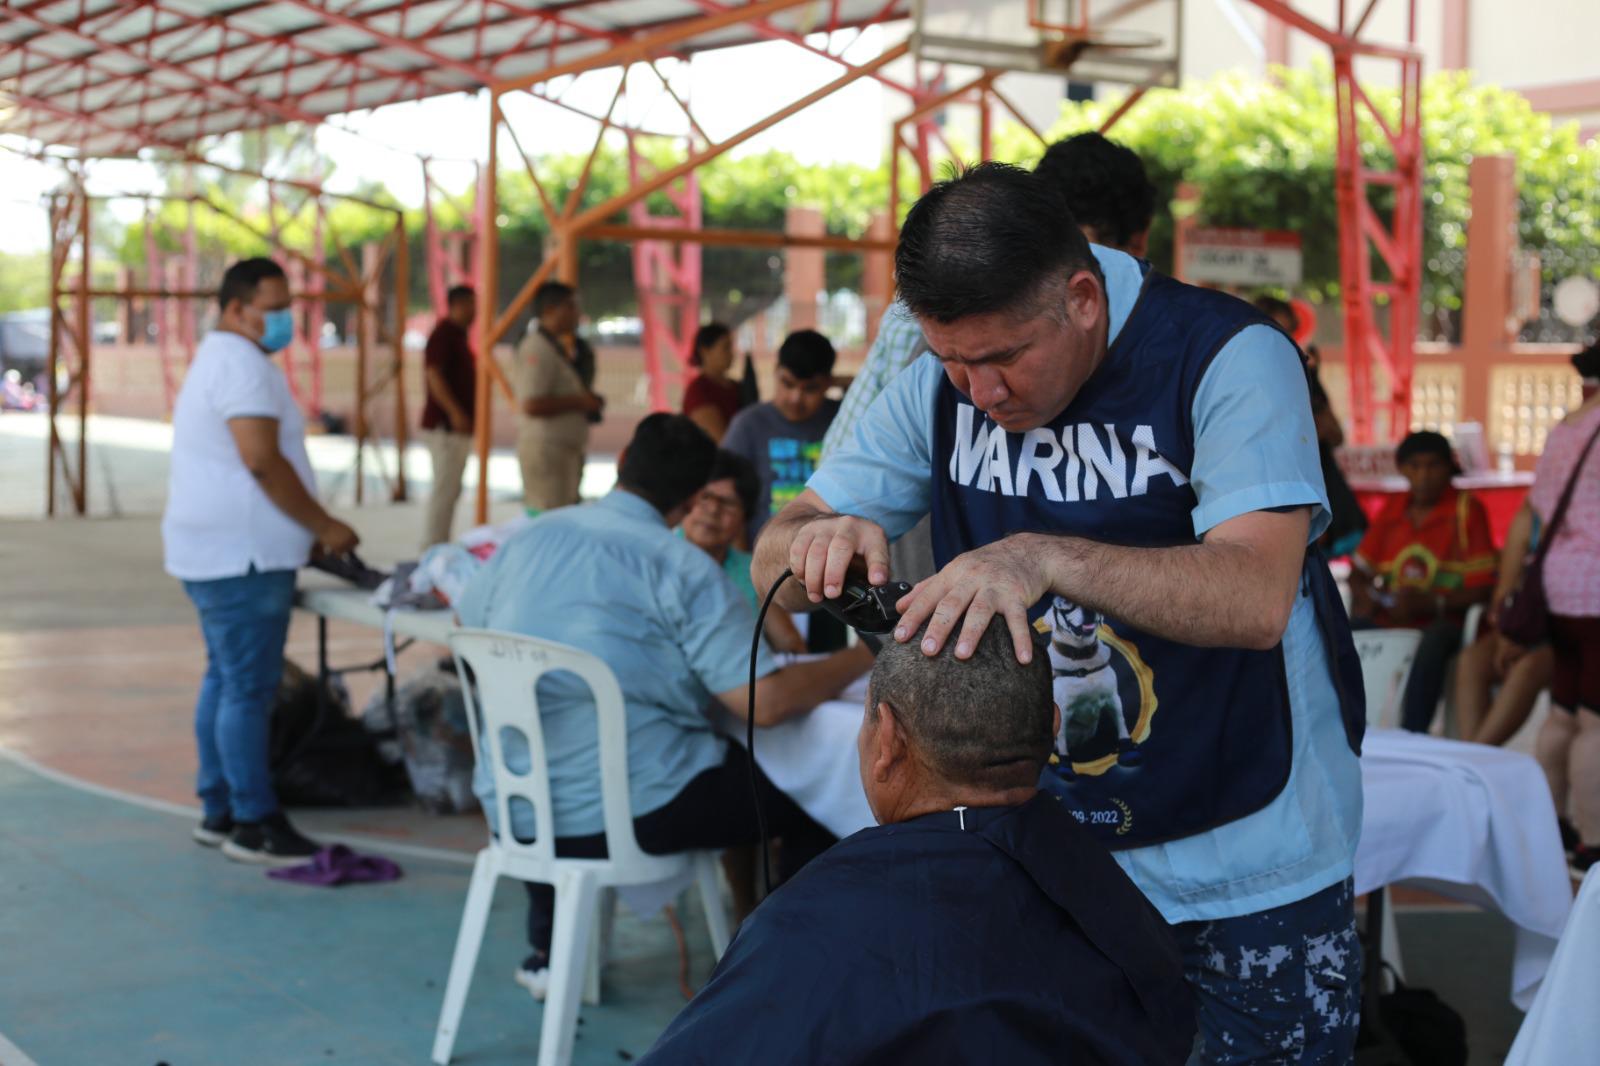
[[783, 437]]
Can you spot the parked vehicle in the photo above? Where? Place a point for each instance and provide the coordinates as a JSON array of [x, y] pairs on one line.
[[25, 343]]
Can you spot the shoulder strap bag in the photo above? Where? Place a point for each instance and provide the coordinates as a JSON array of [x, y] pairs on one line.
[[1525, 616]]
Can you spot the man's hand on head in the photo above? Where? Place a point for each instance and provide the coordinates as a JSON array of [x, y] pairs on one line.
[[1005, 578]]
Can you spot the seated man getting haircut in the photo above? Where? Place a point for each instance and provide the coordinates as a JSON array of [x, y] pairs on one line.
[[977, 923]]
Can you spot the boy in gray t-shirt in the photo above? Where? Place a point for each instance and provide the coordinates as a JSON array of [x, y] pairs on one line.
[[783, 437]]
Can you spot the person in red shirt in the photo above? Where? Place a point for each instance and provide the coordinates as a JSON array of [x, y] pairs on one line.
[[1426, 559], [447, 416], [712, 398]]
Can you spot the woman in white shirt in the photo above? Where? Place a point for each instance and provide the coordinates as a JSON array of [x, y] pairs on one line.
[[242, 516]]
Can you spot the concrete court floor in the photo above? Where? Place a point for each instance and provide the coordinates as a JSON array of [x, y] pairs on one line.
[[120, 933]]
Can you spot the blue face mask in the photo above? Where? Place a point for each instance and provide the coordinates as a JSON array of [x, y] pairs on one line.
[[280, 330]]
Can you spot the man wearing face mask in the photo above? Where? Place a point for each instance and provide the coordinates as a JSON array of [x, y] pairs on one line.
[[242, 516]]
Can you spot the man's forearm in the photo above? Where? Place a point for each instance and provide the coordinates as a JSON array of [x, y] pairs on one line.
[[288, 493], [1209, 595], [771, 555], [440, 392]]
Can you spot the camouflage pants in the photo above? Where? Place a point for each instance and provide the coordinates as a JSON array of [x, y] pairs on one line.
[[1279, 986]]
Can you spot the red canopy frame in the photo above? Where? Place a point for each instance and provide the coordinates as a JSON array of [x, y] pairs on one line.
[[114, 78]]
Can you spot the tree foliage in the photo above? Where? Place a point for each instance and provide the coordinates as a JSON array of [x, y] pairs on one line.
[[1262, 154], [24, 281]]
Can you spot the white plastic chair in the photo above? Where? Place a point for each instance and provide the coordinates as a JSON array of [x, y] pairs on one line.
[[506, 668], [1386, 657]]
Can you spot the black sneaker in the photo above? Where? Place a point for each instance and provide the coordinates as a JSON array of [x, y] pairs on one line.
[[1583, 857], [1569, 835], [214, 830], [269, 842]]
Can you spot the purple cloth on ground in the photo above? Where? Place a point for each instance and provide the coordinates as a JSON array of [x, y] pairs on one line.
[[338, 865]]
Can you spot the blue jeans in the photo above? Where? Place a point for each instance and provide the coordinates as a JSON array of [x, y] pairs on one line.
[[245, 621], [1280, 986]]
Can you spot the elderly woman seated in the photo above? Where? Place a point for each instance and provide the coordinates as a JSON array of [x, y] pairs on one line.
[[715, 524], [977, 923]]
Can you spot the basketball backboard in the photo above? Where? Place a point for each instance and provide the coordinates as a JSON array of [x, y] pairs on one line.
[[1135, 42]]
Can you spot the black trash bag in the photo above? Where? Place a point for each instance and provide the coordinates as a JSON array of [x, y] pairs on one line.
[[324, 758], [1428, 1030], [429, 719]]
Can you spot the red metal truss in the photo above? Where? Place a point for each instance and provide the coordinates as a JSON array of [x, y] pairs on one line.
[[286, 43], [70, 337], [766, 29], [666, 281], [147, 73], [186, 73], [1380, 316], [169, 75]]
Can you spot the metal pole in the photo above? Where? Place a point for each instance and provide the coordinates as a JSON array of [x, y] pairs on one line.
[[489, 297], [985, 125], [85, 347], [402, 279], [567, 256], [894, 197], [58, 257], [363, 319]]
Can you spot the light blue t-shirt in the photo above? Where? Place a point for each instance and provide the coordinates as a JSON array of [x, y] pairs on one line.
[[1255, 449], [611, 579]]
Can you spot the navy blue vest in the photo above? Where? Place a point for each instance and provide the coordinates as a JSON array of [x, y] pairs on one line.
[[1159, 740]]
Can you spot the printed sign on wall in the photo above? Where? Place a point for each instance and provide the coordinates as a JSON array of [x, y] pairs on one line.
[[1248, 257]]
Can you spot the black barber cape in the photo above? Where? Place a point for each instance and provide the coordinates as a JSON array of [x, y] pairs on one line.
[[1017, 940]]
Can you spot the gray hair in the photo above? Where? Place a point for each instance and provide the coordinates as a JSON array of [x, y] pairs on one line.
[[985, 722]]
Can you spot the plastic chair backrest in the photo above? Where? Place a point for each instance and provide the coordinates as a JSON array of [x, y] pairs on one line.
[[507, 668], [1386, 656]]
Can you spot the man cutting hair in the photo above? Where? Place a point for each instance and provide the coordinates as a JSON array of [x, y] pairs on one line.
[[1128, 464]]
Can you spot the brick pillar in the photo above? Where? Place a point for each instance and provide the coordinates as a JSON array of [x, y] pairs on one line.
[[1185, 203], [1488, 324], [877, 282], [1455, 36], [802, 268]]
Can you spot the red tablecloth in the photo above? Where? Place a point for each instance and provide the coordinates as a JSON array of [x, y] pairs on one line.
[[1501, 494]]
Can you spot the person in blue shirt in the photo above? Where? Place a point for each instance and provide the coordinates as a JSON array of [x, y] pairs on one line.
[[611, 578], [976, 923], [1127, 467]]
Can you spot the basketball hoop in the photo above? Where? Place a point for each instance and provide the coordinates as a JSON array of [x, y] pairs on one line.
[[1137, 47], [1061, 53]]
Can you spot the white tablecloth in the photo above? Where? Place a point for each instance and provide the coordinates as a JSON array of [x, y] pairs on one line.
[[813, 759], [1563, 1025], [1470, 822], [355, 605]]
